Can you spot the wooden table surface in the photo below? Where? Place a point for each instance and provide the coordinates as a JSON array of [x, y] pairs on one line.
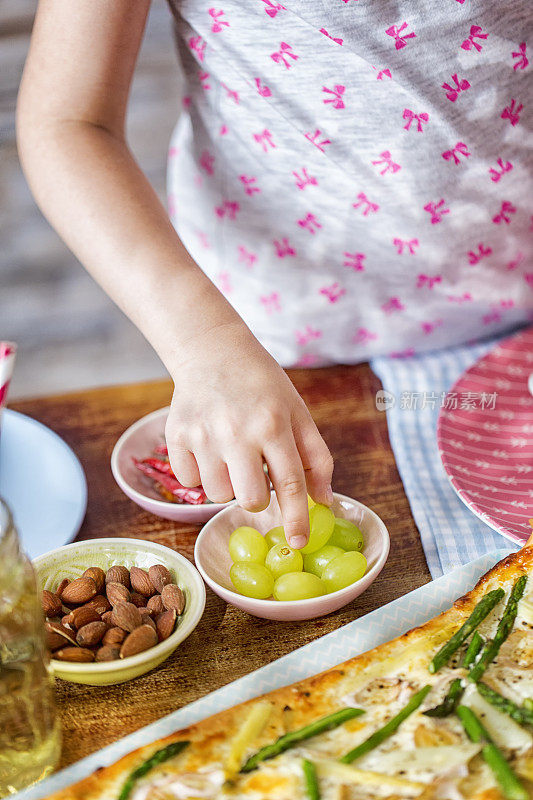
[[227, 643]]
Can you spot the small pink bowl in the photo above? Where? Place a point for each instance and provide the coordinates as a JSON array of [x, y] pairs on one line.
[[139, 441], [213, 560]]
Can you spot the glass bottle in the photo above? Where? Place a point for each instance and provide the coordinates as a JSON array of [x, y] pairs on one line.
[[30, 740]]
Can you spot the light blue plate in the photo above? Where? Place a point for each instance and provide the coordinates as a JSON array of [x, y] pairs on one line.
[[42, 482]]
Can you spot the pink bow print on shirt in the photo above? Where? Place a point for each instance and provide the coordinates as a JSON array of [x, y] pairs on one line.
[[197, 45], [227, 209], [206, 162], [283, 54], [337, 92], [203, 77], [389, 165], [310, 223], [271, 302], [307, 335], [452, 92], [512, 112], [248, 182], [218, 23], [522, 61], [223, 281], [355, 261], [365, 205], [399, 35], [429, 327], [265, 140], [314, 139], [333, 38], [333, 292], [409, 245], [506, 209], [436, 210], [428, 281], [363, 336], [393, 304], [410, 116], [283, 248], [476, 32], [383, 73], [515, 262], [459, 298], [264, 91], [246, 256], [456, 153], [273, 8], [482, 252], [497, 174], [304, 179]]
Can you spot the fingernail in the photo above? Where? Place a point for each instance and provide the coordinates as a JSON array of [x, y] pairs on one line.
[[329, 494], [297, 542]]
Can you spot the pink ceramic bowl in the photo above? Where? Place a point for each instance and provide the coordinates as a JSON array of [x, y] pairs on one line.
[[139, 441], [213, 560]]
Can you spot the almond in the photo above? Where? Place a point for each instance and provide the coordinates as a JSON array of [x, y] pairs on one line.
[[118, 574], [140, 582], [107, 619], [165, 624], [114, 636], [79, 591], [160, 576], [59, 590], [98, 576], [75, 654], [126, 616], [109, 652], [139, 640], [173, 598], [66, 621], [117, 593], [146, 618], [54, 640], [138, 600], [83, 616], [51, 603], [100, 604], [155, 605], [60, 630], [91, 634]]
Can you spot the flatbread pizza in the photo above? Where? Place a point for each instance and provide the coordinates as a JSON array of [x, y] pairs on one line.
[[443, 712]]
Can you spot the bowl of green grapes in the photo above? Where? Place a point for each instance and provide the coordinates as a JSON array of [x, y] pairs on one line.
[[245, 559]]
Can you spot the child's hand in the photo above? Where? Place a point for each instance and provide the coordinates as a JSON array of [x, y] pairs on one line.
[[233, 408]]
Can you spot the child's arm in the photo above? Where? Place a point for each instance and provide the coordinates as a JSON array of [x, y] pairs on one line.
[[232, 404]]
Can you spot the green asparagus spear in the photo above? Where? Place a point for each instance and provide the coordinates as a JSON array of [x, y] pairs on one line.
[[484, 607], [510, 785], [505, 626], [520, 714], [294, 737], [311, 780], [157, 758], [476, 643], [528, 703], [388, 729], [450, 702]]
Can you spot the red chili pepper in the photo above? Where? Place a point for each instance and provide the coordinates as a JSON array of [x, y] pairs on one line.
[[162, 449], [183, 494], [160, 465]]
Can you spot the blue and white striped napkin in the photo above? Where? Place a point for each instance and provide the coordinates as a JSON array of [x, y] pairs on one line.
[[451, 534]]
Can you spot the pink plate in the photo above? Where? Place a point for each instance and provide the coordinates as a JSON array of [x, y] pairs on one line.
[[139, 441], [486, 441]]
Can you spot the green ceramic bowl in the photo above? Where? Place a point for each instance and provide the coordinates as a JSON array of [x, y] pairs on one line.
[[72, 560]]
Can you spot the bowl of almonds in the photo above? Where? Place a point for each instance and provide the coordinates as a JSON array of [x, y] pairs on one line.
[[116, 608]]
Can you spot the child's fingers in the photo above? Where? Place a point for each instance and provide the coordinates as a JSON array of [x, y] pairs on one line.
[[248, 478], [215, 477], [183, 465], [287, 475], [316, 458]]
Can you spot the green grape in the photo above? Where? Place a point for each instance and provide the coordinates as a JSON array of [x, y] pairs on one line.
[[321, 523], [247, 544], [315, 562], [298, 586], [344, 570], [275, 536], [346, 535], [281, 559], [251, 579]]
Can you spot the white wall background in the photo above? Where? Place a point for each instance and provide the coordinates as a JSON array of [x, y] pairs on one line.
[[69, 333]]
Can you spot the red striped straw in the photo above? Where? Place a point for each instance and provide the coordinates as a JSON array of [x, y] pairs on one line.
[[7, 362]]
